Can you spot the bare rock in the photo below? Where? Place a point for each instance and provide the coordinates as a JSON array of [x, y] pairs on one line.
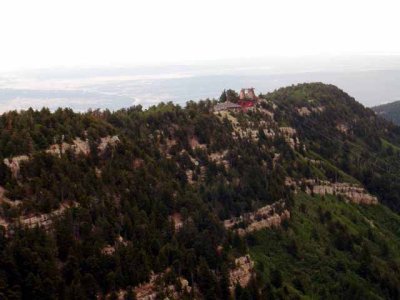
[[4, 199], [194, 143], [303, 111], [44, 220], [150, 289], [288, 131], [289, 134], [343, 128], [266, 217], [177, 220], [242, 272], [14, 163], [78, 146], [107, 141], [353, 193]]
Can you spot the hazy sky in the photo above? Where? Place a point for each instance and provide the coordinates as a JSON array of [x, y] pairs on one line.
[[51, 33]]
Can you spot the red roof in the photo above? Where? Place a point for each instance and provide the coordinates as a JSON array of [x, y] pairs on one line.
[[244, 103]]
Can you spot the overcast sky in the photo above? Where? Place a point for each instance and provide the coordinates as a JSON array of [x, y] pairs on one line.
[[51, 33]]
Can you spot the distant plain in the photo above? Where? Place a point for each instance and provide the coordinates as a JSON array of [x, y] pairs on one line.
[[372, 81]]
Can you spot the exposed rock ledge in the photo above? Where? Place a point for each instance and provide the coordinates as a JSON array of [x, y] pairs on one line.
[[265, 217], [351, 192], [78, 147], [82, 146], [150, 290], [14, 163], [43, 220], [242, 272], [289, 134]]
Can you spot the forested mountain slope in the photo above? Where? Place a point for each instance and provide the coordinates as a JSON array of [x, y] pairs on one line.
[[297, 197], [389, 111]]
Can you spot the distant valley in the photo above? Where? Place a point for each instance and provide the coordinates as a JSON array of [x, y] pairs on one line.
[[115, 88]]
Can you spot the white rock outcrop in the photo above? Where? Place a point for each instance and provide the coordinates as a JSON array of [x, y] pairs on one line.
[[107, 141], [289, 134], [242, 272], [351, 192], [78, 146], [150, 290], [14, 163], [44, 220], [265, 217], [343, 128], [177, 220], [303, 111]]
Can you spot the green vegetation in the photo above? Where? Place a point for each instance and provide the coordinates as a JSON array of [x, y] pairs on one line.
[[204, 168], [390, 111], [330, 248], [346, 134]]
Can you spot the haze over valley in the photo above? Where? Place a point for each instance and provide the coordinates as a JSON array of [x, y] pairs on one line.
[[372, 80]]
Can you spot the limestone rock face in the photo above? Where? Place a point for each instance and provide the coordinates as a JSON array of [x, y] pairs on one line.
[[4, 199], [189, 176], [247, 129], [318, 109], [147, 291], [194, 143], [81, 146], [303, 111], [110, 249], [343, 128], [351, 192], [176, 218], [44, 220], [269, 133], [219, 158], [242, 272], [249, 133], [265, 217], [108, 141], [289, 134], [151, 289], [78, 146], [288, 131], [14, 163], [3, 223], [266, 112], [273, 221]]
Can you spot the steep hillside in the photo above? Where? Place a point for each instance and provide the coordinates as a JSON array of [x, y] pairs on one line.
[[196, 204], [341, 132], [389, 111], [329, 248]]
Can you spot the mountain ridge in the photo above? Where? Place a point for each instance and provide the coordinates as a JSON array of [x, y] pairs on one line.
[[178, 201], [389, 111]]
